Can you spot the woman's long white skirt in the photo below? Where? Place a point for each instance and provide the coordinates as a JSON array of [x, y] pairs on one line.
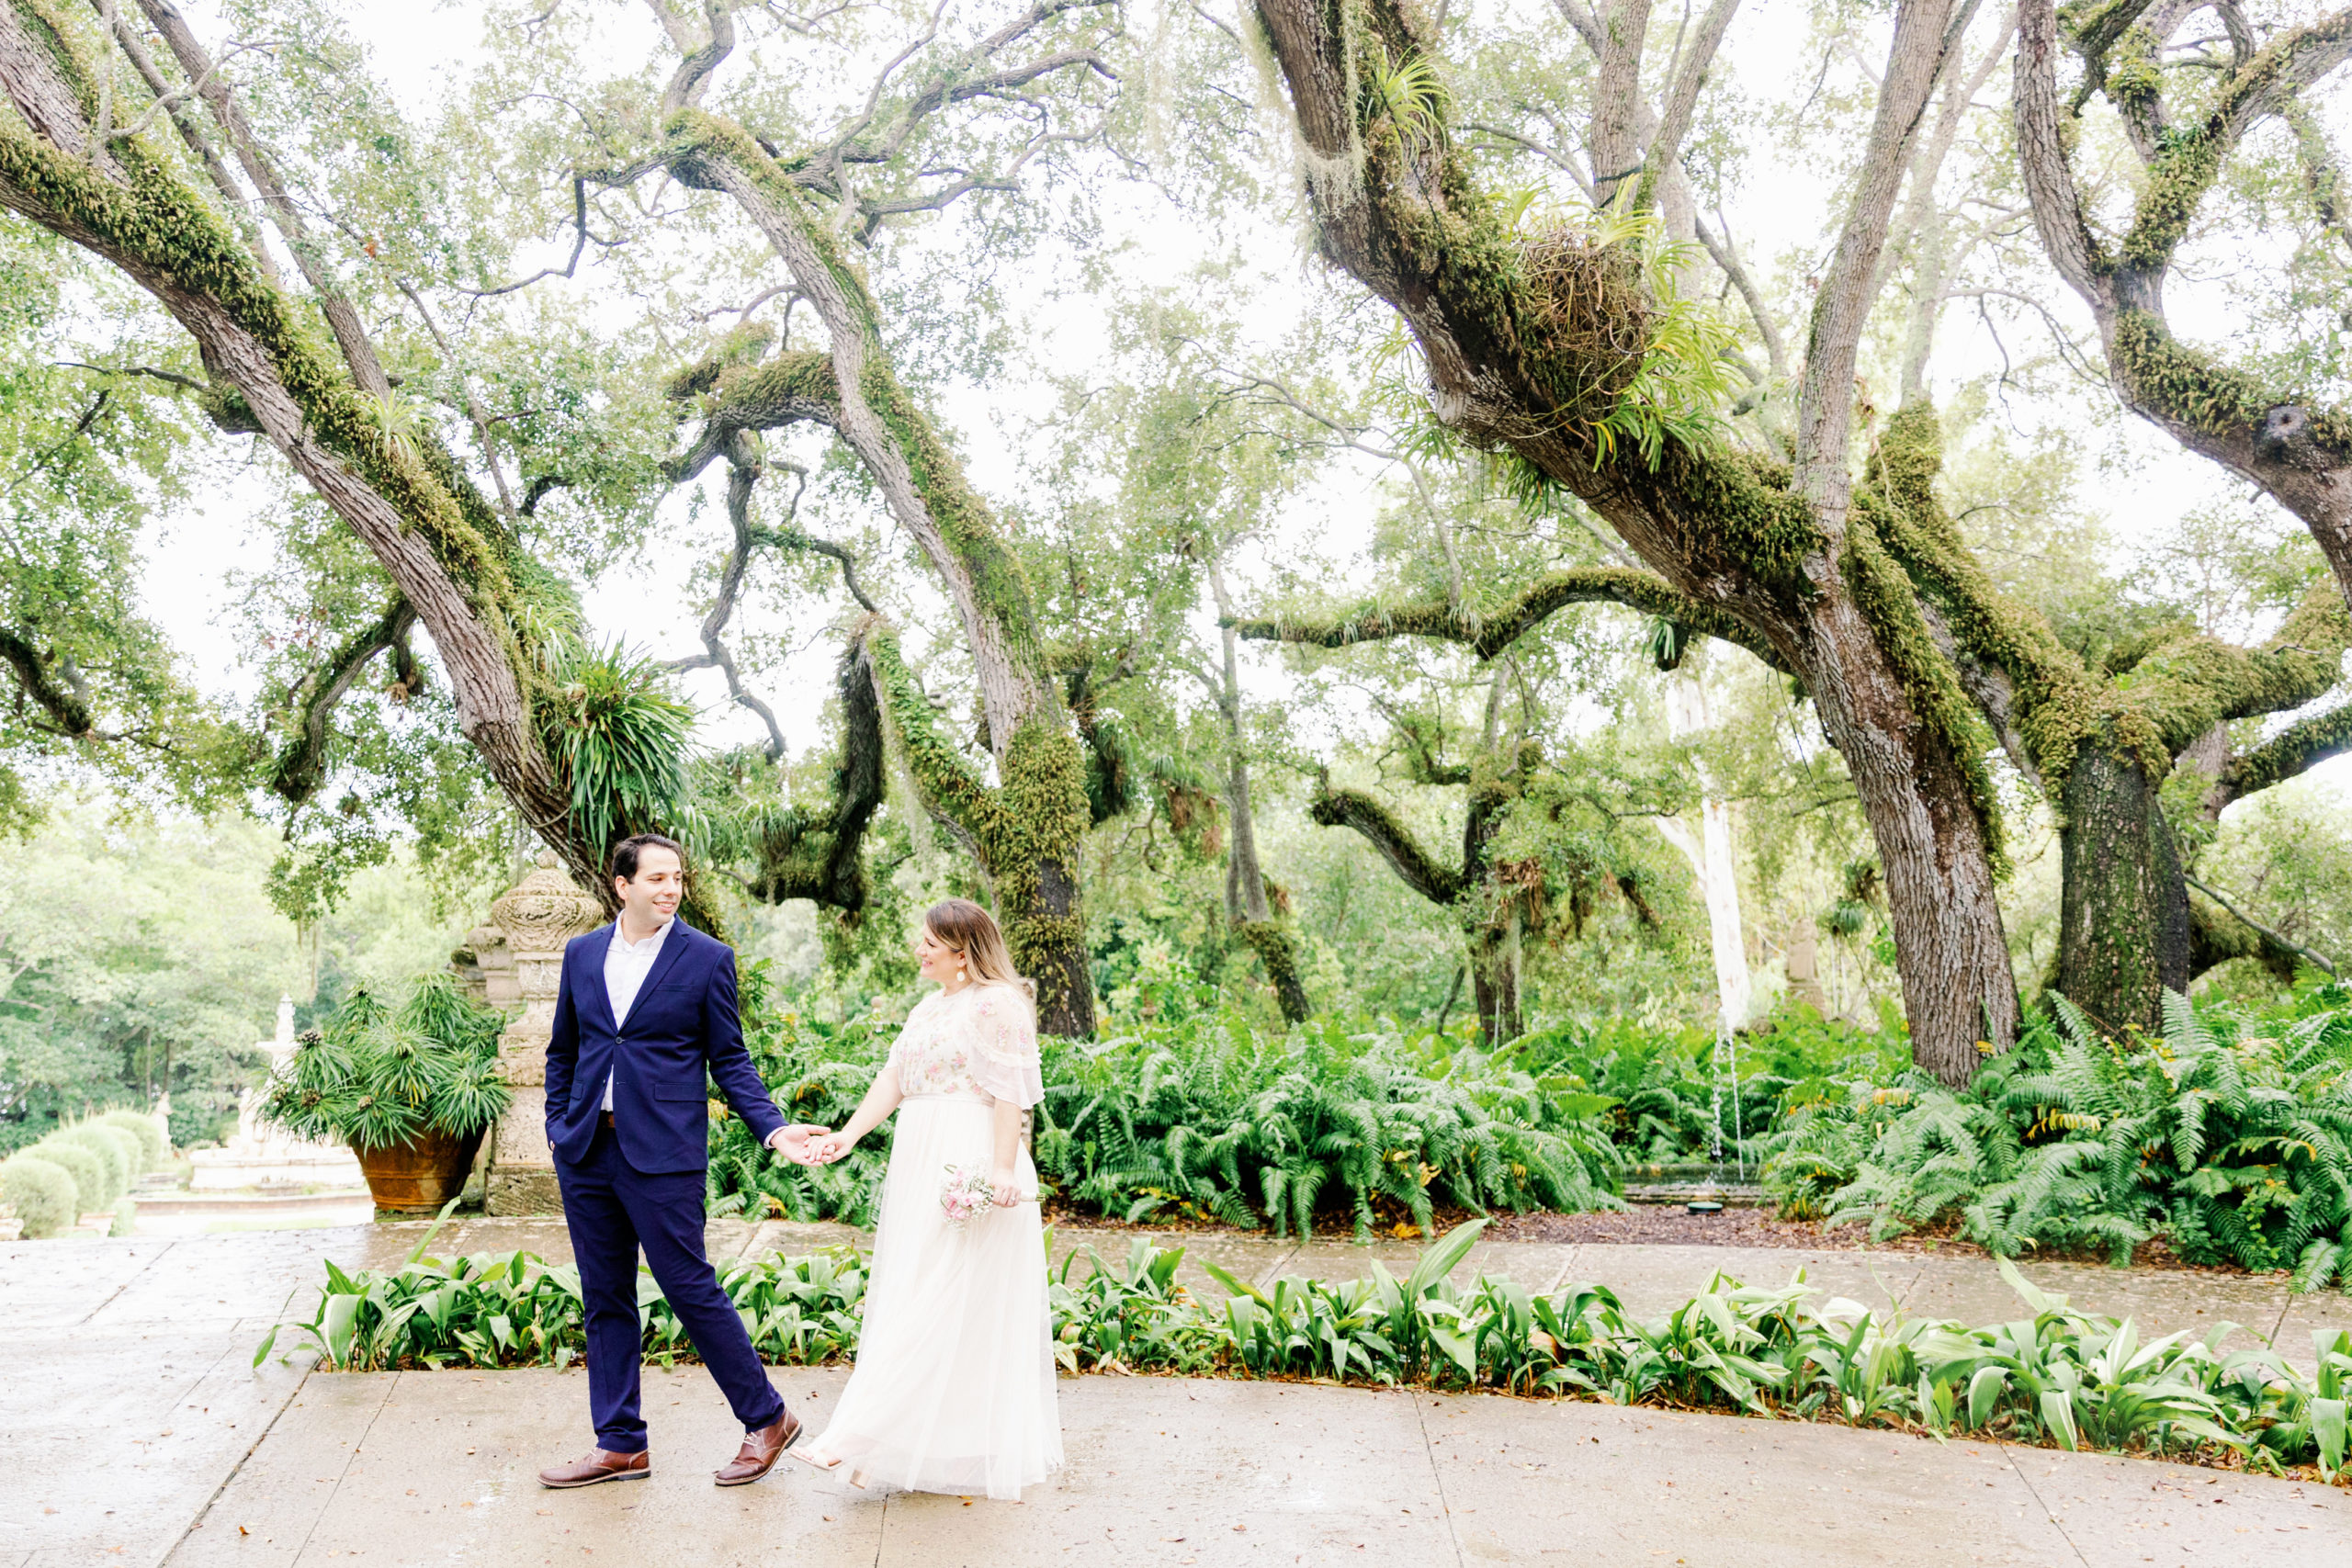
[[953, 1387]]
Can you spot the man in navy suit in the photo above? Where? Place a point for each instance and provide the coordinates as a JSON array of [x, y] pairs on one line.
[[646, 1010]]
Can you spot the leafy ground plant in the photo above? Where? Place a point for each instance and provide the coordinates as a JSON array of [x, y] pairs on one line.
[[1212, 1117], [2058, 1377]]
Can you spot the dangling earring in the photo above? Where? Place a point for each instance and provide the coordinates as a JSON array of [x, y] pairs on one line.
[[959, 972]]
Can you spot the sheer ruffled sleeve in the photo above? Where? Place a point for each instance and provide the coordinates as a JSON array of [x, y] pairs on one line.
[[1005, 1046]]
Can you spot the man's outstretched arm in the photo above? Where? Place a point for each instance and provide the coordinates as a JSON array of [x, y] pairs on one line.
[[730, 1064]]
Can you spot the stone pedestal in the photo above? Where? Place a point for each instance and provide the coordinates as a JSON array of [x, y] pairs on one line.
[[516, 961]]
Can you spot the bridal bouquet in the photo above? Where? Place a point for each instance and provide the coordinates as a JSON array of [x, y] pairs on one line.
[[963, 1194]]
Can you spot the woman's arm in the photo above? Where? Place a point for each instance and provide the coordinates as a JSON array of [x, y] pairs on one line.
[[879, 1102], [1007, 1119]]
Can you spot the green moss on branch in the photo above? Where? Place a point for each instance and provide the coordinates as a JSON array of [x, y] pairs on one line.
[[1381, 828], [1489, 635]]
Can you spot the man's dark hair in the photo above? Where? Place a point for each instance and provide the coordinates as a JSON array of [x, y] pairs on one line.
[[624, 855]]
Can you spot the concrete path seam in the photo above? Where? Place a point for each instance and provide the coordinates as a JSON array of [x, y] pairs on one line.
[[1575, 1249], [1272, 1271], [1900, 1298], [118, 1290], [1437, 1476], [345, 1473], [235, 1470], [2009, 1455]]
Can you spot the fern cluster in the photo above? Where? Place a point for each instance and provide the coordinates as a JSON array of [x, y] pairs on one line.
[[2230, 1136], [1210, 1117]]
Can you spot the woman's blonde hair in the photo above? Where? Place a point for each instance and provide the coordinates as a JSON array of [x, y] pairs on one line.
[[972, 931]]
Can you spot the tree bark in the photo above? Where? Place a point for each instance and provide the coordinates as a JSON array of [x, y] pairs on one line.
[[2124, 934], [2302, 455]]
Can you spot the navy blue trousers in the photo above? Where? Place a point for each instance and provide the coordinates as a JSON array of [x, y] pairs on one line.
[[612, 1209]]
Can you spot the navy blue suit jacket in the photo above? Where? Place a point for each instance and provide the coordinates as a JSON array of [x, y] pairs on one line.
[[681, 1029]]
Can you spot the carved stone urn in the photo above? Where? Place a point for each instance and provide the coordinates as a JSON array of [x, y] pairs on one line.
[[517, 960]]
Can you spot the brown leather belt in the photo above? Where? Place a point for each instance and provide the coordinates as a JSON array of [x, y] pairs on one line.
[[606, 1117]]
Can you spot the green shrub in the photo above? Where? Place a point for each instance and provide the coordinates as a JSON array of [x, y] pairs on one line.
[[41, 1191], [92, 1194], [126, 1143], [154, 1144], [115, 1152], [126, 1216]]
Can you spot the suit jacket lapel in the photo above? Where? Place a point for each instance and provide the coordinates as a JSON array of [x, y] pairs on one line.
[[592, 994], [672, 944]]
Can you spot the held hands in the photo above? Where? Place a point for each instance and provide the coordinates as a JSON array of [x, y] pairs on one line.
[[806, 1144]]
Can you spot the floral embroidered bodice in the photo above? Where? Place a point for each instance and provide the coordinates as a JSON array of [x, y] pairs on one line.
[[979, 1042]]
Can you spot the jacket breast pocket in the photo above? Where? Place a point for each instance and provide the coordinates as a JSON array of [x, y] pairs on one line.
[[679, 1091]]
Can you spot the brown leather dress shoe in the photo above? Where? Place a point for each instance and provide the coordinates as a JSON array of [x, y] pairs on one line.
[[760, 1452], [599, 1465]]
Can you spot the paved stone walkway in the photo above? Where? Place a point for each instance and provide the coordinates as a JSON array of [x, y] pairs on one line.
[[138, 1432]]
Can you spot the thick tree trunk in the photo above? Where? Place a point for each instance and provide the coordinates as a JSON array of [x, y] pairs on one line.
[[1494, 975], [1779, 552], [1047, 936], [2124, 935], [1917, 795]]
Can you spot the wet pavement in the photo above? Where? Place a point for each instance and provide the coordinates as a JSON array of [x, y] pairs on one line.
[[140, 1432]]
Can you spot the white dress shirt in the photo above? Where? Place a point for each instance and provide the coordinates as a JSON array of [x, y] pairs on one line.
[[627, 963]]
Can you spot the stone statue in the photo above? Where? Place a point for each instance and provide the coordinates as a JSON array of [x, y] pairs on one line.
[[516, 961]]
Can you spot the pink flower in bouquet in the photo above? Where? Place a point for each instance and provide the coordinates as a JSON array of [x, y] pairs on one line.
[[963, 1194]]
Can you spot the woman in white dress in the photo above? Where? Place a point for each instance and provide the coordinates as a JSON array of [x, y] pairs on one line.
[[953, 1387]]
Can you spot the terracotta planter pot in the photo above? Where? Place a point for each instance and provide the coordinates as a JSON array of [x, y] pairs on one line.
[[420, 1175]]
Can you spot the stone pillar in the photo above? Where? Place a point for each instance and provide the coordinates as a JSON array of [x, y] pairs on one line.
[[518, 961]]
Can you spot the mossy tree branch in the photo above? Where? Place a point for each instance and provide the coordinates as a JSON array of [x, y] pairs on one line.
[[2219, 933], [1386, 832], [49, 685], [817, 855], [446, 551], [1489, 908], [302, 764], [1488, 634], [1523, 337], [2175, 692], [2302, 455], [2301, 745], [1027, 828]]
